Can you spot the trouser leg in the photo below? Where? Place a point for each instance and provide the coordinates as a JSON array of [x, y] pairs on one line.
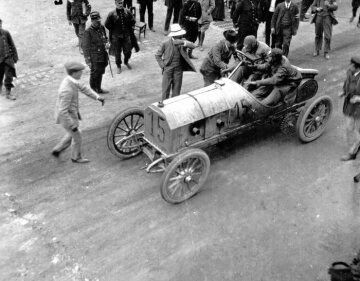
[[279, 39], [150, 14], [64, 143], [168, 18], [118, 50], [318, 33], [305, 5], [127, 49], [327, 33], [81, 33], [142, 12], [93, 78], [167, 82], [273, 98], [178, 76], [353, 134], [286, 41], [268, 29], [2, 72], [76, 144], [76, 28], [9, 76], [176, 14]]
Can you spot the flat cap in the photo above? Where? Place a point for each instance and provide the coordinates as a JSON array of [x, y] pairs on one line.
[[355, 60], [73, 66], [95, 15]]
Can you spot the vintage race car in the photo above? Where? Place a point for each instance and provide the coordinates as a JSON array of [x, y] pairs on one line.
[[172, 135]]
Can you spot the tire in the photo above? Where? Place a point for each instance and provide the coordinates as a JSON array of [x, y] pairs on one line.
[[314, 118], [185, 175], [124, 124]]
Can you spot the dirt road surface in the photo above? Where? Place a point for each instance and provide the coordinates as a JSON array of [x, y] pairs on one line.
[[272, 209]]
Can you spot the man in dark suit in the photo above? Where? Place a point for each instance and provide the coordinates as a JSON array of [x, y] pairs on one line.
[[120, 24], [351, 108], [147, 4], [173, 59], [94, 45], [173, 6], [284, 24], [268, 8], [77, 12], [8, 58]]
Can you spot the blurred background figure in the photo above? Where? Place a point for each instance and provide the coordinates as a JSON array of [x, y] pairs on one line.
[[173, 7], [305, 5], [128, 4], [268, 8], [218, 13], [77, 12], [207, 6], [147, 4], [8, 58], [355, 5]]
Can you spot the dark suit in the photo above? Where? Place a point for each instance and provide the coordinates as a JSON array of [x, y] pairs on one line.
[[172, 6], [95, 53], [351, 88], [267, 16], [8, 58], [284, 33], [147, 4], [75, 14], [324, 21], [192, 8], [173, 70]]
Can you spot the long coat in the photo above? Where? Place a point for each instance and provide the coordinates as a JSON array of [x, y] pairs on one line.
[[165, 54], [67, 103], [94, 45], [279, 13], [12, 57], [207, 6], [331, 8], [75, 11], [351, 88]]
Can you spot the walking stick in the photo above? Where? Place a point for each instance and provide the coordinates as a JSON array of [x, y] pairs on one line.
[[112, 75]]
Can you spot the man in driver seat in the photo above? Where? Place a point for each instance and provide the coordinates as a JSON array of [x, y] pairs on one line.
[[284, 78], [256, 50]]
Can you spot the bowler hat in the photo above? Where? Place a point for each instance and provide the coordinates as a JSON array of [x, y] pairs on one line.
[[176, 30], [356, 61], [230, 35], [73, 66], [95, 15]]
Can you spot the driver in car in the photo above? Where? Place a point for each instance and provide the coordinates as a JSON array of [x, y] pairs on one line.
[[256, 50], [283, 78]]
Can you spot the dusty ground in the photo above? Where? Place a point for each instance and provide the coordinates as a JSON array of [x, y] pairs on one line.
[[273, 208]]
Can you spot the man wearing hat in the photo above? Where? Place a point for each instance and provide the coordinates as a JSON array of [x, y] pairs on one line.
[[173, 59], [77, 12], [256, 50], [218, 58], [351, 108], [120, 24], [8, 58], [283, 80], [95, 44], [67, 110]]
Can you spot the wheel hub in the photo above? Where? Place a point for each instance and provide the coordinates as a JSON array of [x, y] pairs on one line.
[[317, 119], [188, 179]]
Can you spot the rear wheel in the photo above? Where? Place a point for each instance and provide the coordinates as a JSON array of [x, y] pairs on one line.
[[314, 118], [122, 137], [185, 175]]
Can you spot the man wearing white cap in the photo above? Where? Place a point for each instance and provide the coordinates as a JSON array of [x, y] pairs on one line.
[[173, 59], [67, 110]]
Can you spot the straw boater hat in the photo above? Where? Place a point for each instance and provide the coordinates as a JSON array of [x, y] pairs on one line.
[[176, 30]]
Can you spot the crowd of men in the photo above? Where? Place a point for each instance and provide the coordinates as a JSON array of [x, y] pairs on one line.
[[269, 81]]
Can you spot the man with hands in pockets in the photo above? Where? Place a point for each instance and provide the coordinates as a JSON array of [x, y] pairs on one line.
[[67, 110]]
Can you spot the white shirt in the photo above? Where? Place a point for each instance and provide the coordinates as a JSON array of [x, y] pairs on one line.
[[272, 6], [356, 74], [287, 5]]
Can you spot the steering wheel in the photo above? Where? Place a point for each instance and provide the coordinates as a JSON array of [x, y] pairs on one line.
[[246, 58]]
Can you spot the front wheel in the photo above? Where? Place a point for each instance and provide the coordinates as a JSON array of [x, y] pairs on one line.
[[122, 136], [185, 175], [314, 118]]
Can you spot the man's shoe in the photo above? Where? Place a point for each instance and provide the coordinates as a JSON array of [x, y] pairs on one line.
[[55, 153], [201, 48], [348, 157], [316, 53], [304, 19], [118, 71], [128, 66], [193, 57], [351, 19], [153, 30], [358, 25], [166, 32], [9, 96], [80, 160], [103, 91], [326, 55]]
